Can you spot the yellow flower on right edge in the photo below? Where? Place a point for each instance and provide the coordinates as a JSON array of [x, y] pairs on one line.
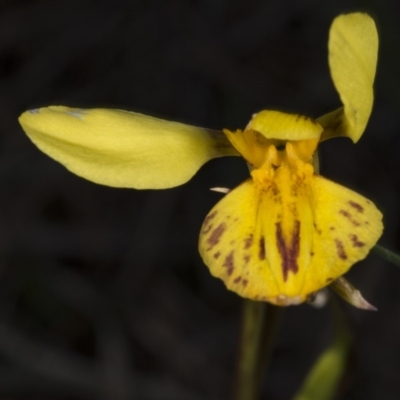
[[287, 232]]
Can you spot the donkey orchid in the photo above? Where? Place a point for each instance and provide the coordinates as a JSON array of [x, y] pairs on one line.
[[284, 233]]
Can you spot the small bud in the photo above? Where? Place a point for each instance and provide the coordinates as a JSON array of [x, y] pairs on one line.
[[349, 293]]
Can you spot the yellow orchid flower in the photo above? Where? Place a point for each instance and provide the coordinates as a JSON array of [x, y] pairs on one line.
[[284, 233]]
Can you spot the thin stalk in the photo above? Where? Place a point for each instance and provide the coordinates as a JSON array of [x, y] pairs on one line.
[[387, 254], [259, 328]]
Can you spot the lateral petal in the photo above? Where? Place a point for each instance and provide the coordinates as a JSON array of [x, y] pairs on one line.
[[123, 149], [347, 226]]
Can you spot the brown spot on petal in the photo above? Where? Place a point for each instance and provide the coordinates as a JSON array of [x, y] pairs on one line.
[[357, 206], [261, 253], [217, 254], [210, 217], [238, 279], [347, 215], [245, 282], [207, 226], [208, 229], [356, 242], [288, 251], [216, 235], [248, 241], [340, 249], [317, 229], [275, 190], [228, 263], [246, 259]]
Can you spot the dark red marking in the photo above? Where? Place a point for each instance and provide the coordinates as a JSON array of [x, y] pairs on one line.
[[317, 229], [208, 229], [261, 253], [340, 249], [357, 206], [356, 242], [210, 217], [349, 217], [275, 190], [248, 241], [216, 235], [245, 282], [288, 251], [206, 224], [246, 259], [238, 279], [228, 263], [217, 254]]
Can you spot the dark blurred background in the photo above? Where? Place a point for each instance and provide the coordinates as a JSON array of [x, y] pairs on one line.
[[103, 294]]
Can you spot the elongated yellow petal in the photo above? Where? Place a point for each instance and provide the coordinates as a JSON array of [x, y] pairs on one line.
[[123, 149], [280, 237], [353, 52]]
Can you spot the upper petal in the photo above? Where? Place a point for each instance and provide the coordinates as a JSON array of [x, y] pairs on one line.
[[353, 52], [284, 126], [123, 149]]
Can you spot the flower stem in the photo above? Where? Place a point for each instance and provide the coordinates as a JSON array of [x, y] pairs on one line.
[[259, 328], [387, 254]]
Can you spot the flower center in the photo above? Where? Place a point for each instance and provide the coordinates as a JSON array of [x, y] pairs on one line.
[[273, 138]]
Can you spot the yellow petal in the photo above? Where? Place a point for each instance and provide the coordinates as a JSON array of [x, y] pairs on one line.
[[123, 149], [353, 52], [281, 237], [283, 126], [275, 128]]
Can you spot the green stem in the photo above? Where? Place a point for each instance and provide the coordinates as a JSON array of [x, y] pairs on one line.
[[259, 329], [387, 254]]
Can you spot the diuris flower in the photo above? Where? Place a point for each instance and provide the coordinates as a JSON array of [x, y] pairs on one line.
[[284, 233]]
